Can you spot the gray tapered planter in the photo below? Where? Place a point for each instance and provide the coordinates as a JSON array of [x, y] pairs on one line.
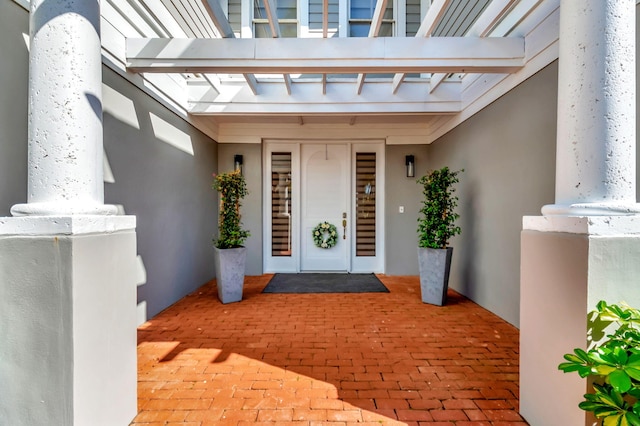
[[230, 264], [434, 266]]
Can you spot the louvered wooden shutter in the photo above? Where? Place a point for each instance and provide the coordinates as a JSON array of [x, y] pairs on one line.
[[366, 204], [281, 204]]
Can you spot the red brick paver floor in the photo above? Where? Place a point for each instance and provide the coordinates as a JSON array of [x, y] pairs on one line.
[[327, 359]]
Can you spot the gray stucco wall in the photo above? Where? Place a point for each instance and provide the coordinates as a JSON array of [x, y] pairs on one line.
[[168, 189], [508, 153], [401, 236], [14, 68], [252, 205]]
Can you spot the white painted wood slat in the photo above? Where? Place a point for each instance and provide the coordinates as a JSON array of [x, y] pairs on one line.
[[220, 21], [431, 19], [485, 23], [374, 30]]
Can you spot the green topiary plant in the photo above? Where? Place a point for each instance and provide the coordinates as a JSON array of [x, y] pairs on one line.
[[232, 188], [614, 366], [437, 224]]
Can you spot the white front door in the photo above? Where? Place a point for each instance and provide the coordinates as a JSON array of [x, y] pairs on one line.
[[307, 183], [325, 195]]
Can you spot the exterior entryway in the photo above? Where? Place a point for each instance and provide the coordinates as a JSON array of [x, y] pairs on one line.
[[309, 183]]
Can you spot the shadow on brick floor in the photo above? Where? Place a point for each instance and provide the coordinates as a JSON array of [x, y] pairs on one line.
[[306, 359]]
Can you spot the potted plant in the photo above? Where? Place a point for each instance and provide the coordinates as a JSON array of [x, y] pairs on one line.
[[230, 255], [435, 227], [612, 365]]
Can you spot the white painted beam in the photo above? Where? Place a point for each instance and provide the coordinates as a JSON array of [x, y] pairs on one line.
[[361, 108], [325, 34], [224, 27], [219, 18], [325, 18], [432, 18], [374, 30], [287, 82], [376, 21], [252, 82], [491, 16], [272, 15], [340, 98], [428, 24], [435, 80], [213, 81], [359, 83], [351, 55]]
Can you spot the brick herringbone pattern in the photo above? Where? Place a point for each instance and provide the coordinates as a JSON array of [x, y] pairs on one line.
[[327, 359]]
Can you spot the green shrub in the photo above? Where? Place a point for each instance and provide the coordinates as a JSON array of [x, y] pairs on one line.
[[613, 365], [232, 188], [437, 224]]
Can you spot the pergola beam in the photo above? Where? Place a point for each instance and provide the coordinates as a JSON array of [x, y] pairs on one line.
[[432, 18], [374, 30], [272, 15], [355, 55], [341, 98], [435, 80], [481, 28], [221, 22], [325, 34], [427, 26], [325, 18]]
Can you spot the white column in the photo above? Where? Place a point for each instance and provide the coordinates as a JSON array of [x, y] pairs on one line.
[[67, 262], [65, 110], [586, 246], [596, 137]]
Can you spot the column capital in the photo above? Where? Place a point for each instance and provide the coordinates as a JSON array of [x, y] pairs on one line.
[[55, 209]]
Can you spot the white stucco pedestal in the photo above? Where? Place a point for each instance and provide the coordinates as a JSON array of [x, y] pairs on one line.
[[568, 265], [68, 322]]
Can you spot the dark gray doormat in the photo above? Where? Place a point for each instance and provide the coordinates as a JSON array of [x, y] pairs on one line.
[[325, 283]]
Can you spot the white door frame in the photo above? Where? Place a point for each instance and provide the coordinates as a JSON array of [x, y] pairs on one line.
[[291, 263], [377, 263]]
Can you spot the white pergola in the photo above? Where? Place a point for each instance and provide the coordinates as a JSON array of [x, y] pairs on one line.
[[465, 54]]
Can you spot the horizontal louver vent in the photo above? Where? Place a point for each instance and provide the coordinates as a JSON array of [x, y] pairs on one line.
[[366, 204], [281, 204]]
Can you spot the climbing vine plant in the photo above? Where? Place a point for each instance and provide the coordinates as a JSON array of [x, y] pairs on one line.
[[232, 188]]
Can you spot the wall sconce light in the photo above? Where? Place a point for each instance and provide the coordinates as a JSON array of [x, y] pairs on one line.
[[411, 165], [237, 163]]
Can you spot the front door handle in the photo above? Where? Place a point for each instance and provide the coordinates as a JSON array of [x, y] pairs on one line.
[[344, 226]]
